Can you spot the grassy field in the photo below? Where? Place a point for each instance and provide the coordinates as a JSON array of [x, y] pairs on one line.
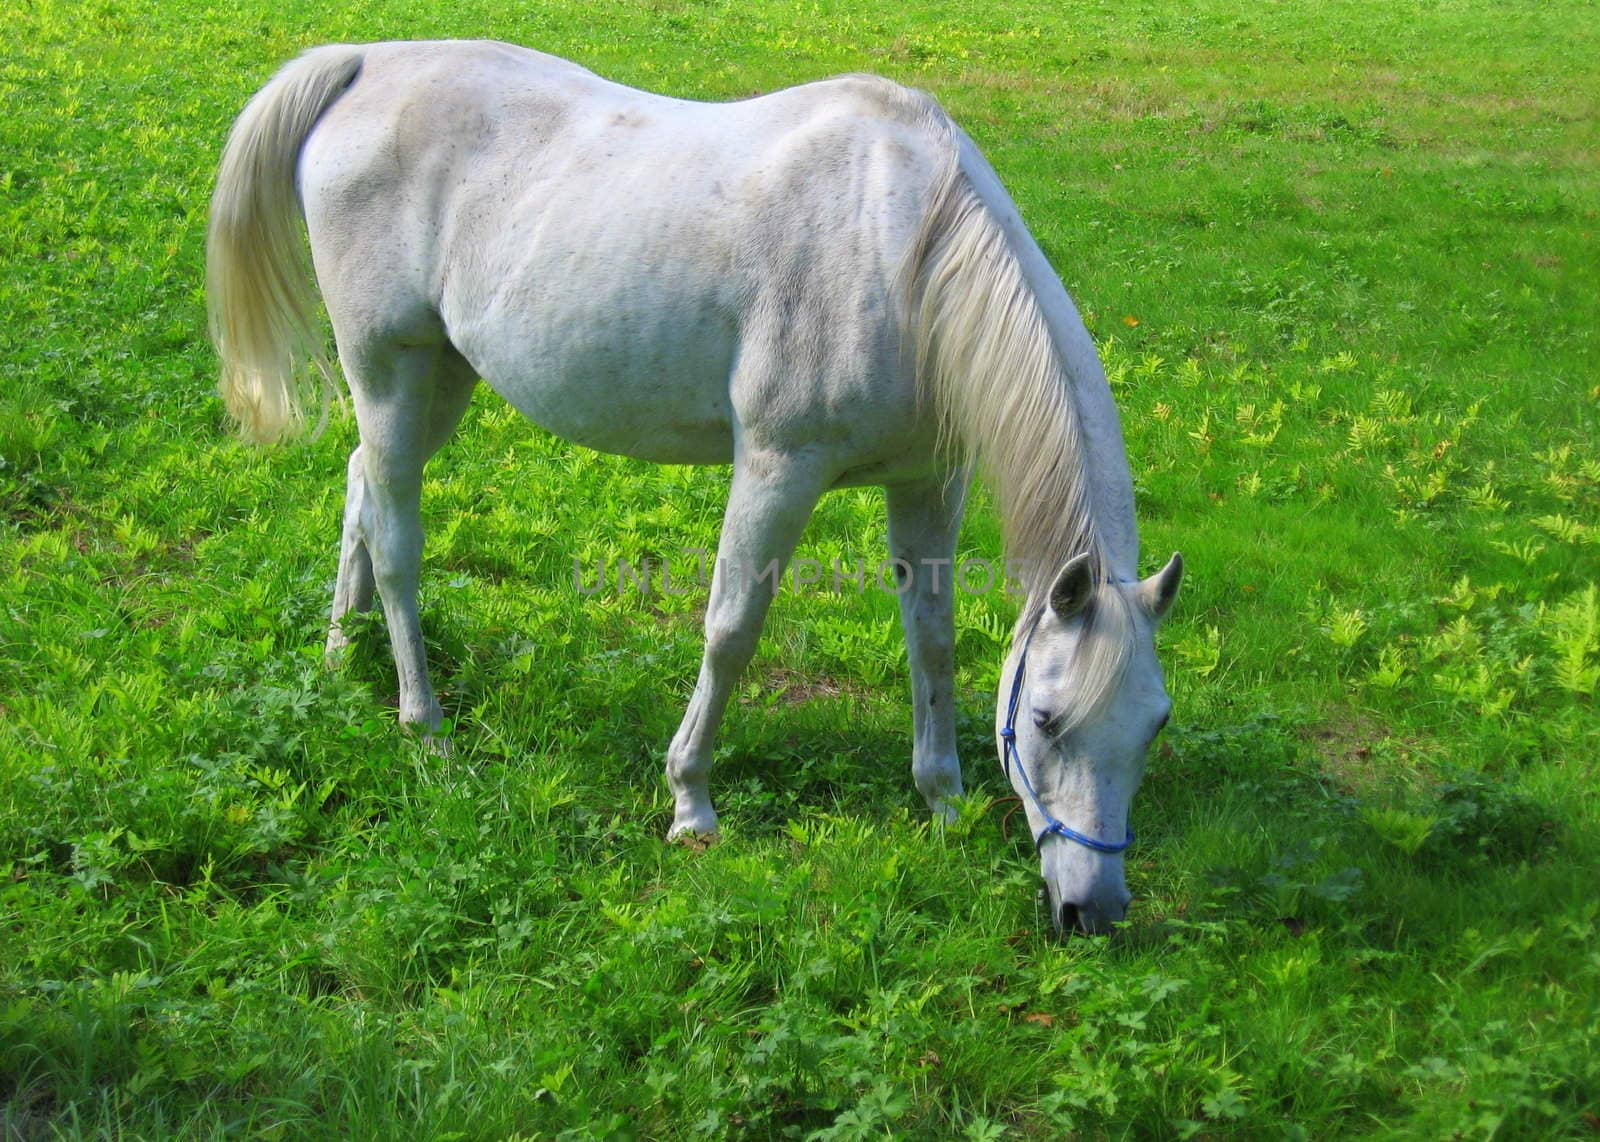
[[1341, 260]]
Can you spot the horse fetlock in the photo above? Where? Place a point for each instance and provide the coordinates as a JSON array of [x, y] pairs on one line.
[[425, 715], [938, 780]]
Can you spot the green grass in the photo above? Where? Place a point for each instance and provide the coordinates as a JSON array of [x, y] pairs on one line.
[[1342, 263]]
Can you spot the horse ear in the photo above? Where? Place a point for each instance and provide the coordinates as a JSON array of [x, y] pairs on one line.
[[1158, 592], [1073, 588]]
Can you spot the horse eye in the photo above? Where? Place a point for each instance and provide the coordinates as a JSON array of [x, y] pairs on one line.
[[1041, 719]]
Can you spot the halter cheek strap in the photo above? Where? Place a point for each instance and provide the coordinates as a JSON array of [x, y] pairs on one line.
[[1053, 827]]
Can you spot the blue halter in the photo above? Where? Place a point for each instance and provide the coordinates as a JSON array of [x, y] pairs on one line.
[[1009, 734]]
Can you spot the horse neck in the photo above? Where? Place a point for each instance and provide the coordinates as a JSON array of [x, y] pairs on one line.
[[1105, 458]]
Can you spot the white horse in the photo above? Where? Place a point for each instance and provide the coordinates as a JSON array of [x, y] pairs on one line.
[[826, 286]]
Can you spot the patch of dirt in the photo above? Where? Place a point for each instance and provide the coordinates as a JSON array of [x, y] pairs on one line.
[[796, 690], [1358, 753]]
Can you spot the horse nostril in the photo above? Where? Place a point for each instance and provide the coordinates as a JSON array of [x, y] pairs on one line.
[[1069, 919]]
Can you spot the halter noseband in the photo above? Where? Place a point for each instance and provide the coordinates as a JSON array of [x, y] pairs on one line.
[[1009, 734]]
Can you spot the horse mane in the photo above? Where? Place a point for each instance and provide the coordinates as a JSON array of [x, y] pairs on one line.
[[990, 372]]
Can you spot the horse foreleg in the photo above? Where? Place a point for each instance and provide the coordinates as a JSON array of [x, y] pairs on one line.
[[768, 504], [924, 520]]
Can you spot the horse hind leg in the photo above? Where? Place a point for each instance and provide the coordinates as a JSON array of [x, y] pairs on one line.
[[408, 401], [924, 521], [353, 588], [769, 502]]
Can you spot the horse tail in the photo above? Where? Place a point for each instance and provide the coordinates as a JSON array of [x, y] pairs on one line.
[[260, 289]]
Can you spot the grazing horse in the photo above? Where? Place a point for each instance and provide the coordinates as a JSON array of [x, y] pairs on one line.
[[826, 286]]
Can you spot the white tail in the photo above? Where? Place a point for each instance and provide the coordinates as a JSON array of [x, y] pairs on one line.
[[260, 291]]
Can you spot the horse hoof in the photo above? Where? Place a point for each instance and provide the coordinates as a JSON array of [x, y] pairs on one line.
[[693, 839]]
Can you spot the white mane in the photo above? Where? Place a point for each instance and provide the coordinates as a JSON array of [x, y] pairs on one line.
[[993, 375]]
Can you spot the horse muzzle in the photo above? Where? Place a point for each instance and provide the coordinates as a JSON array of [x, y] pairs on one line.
[[1086, 892]]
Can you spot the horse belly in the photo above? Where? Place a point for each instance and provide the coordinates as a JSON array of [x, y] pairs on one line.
[[646, 378]]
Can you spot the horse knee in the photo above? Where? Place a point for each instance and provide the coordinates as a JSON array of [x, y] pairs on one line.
[[729, 646]]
